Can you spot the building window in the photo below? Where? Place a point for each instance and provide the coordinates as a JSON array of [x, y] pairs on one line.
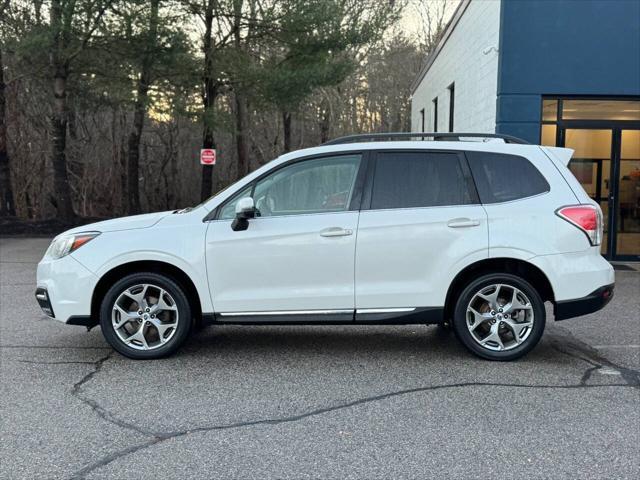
[[549, 110], [452, 97], [600, 110], [560, 114], [435, 114], [422, 120], [561, 110]]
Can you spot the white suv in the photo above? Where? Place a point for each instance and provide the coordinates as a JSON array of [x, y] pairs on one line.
[[478, 234]]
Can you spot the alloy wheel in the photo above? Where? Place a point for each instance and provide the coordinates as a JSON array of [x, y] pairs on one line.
[[145, 317], [500, 317]]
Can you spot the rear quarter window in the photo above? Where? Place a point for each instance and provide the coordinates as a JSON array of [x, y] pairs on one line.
[[501, 177]]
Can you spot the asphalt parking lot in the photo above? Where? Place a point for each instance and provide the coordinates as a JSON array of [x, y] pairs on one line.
[[315, 402]]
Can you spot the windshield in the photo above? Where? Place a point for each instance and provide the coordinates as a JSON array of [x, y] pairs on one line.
[[213, 196]]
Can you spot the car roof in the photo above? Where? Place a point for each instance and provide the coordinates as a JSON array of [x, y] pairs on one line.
[[495, 145]]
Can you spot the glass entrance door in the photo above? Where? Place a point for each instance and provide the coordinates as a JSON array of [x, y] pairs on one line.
[[607, 164], [591, 165], [605, 134], [627, 219]]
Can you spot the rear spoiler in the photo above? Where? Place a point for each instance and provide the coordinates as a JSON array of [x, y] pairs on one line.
[[562, 154]]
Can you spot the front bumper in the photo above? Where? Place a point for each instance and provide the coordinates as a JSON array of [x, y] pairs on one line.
[[593, 302], [42, 297], [64, 289]]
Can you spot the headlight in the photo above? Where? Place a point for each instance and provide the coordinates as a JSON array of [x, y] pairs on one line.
[[66, 244]]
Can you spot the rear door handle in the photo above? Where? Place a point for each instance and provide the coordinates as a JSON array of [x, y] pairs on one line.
[[336, 232], [462, 222]]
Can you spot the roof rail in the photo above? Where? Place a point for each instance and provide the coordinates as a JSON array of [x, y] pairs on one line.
[[437, 136]]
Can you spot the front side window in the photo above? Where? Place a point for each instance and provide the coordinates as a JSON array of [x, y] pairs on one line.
[[312, 186], [229, 209], [418, 179], [501, 178]]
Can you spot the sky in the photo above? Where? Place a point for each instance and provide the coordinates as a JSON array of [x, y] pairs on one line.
[[411, 21]]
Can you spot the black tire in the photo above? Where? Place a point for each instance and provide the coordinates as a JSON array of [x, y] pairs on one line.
[[460, 317], [182, 329]]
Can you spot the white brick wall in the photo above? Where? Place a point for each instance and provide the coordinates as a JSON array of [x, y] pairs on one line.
[[475, 74]]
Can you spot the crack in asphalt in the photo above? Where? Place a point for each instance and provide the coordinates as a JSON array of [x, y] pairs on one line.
[[586, 376], [158, 437], [70, 362], [568, 344], [163, 436], [102, 412]]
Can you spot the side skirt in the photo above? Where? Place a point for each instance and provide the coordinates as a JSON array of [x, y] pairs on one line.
[[367, 316]]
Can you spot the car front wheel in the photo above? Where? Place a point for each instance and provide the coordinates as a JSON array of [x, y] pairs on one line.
[[145, 316], [499, 317]]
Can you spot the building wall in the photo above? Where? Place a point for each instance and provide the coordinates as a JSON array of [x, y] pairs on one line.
[[475, 74], [563, 47]]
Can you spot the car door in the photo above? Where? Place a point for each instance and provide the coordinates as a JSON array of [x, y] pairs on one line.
[[420, 223], [295, 261]]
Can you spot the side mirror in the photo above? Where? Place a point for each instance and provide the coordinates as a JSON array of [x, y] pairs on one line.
[[245, 209]]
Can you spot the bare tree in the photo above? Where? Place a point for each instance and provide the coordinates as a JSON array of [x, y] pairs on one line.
[[64, 47], [434, 16], [7, 205], [238, 94], [209, 94], [140, 108]]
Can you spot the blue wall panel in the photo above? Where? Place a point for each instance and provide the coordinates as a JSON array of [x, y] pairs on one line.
[[564, 47]]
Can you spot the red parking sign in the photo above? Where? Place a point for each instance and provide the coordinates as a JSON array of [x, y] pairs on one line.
[[208, 156]]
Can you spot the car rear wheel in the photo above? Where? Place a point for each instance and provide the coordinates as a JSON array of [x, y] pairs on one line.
[[499, 317], [145, 316]]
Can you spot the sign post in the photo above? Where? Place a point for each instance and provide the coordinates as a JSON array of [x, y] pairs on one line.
[[208, 156]]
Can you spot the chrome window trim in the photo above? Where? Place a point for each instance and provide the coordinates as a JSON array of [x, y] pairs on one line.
[[293, 215], [385, 310]]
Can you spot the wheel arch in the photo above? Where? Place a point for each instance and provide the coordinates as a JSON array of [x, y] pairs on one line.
[[521, 268], [155, 266]]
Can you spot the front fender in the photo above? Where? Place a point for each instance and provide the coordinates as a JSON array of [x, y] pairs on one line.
[[180, 246]]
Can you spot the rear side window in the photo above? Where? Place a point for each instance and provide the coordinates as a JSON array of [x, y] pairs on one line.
[[501, 178], [418, 179]]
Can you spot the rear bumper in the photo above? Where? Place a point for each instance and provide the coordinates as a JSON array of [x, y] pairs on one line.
[[575, 275], [593, 302]]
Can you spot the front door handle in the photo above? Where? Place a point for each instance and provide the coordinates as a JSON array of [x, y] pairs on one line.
[[336, 232], [462, 222]]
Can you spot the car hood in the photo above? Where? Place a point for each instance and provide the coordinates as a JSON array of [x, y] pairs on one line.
[[125, 223]]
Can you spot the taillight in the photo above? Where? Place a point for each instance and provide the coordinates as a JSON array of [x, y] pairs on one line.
[[587, 218]]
